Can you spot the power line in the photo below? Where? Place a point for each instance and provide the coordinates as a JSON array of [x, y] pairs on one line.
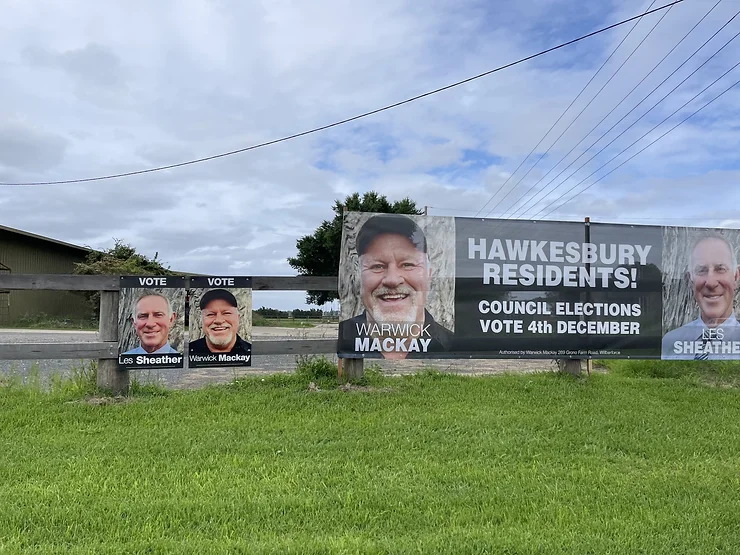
[[564, 131], [347, 120], [654, 218], [511, 208], [642, 137], [564, 112], [633, 123]]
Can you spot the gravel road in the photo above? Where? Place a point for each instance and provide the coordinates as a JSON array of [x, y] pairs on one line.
[[261, 365]]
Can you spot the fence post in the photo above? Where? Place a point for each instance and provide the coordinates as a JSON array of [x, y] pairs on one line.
[[110, 377]]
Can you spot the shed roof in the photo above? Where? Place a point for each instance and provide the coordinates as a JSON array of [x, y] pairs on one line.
[[42, 238]]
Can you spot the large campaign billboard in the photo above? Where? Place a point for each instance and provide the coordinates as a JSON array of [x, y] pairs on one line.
[[436, 287]]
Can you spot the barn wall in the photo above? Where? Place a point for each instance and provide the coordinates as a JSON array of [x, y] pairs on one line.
[[21, 254]]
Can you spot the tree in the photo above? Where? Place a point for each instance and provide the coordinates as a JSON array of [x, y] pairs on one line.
[[318, 254], [121, 259]]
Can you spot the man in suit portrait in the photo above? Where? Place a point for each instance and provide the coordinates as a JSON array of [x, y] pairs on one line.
[[152, 319]]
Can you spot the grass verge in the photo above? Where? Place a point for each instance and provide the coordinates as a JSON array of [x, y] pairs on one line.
[[259, 320], [432, 463], [42, 321]]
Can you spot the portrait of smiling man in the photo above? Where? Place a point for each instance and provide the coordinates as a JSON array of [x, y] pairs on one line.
[[220, 324], [152, 320], [713, 275], [395, 276]]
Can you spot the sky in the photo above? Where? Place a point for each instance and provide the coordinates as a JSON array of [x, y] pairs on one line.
[[95, 88]]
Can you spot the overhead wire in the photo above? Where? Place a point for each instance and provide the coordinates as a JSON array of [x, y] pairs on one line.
[[566, 109], [513, 211], [347, 120], [642, 137], [564, 131], [652, 218], [551, 190]]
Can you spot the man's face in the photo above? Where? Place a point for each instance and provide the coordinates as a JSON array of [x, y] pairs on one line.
[[395, 280], [714, 280], [152, 322], [220, 324]]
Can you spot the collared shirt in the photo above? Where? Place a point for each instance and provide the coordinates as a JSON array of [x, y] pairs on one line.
[[730, 322], [676, 343], [166, 348]]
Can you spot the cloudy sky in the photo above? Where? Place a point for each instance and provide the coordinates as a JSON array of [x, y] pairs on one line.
[[94, 88]]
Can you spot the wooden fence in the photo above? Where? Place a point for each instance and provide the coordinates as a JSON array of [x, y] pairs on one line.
[[112, 378]]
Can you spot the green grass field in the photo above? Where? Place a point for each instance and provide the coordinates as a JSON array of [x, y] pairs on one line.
[[623, 462], [45, 322], [259, 320]]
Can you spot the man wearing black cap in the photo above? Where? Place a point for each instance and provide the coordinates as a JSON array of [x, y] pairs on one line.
[[395, 277], [220, 320]]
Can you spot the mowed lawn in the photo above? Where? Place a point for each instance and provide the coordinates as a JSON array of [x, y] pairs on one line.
[[615, 463]]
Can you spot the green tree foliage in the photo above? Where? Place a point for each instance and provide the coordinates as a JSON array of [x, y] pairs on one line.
[[272, 312], [310, 313], [121, 259], [318, 253]]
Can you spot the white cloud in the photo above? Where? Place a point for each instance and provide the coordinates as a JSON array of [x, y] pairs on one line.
[[94, 89]]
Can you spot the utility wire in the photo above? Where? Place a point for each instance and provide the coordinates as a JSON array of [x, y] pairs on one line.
[[533, 203], [654, 218], [627, 59], [564, 112], [642, 137], [512, 211], [354, 118]]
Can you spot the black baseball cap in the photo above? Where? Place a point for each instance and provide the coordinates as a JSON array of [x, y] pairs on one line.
[[395, 224], [214, 294]]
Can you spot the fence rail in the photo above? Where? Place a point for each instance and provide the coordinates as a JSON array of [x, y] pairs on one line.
[[109, 349], [73, 282], [110, 376]]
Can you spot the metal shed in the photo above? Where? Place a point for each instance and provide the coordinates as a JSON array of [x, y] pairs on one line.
[[26, 253]]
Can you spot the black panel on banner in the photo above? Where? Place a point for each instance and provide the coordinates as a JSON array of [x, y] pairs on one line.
[[153, 282], [226, 282], [543, 289]]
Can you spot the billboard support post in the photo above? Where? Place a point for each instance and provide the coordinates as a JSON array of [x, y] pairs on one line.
[[347, 368], [352, 369], [573, 366]]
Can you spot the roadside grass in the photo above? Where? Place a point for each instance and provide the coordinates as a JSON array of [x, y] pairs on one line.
[[284, 323], [42, 321], [259, 320], [622, 462], [713, 373]]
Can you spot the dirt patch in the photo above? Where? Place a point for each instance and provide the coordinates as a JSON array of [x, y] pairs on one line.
[[348, 387], [104, 400], [364, 388]]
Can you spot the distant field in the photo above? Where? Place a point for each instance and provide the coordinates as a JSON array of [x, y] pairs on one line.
[[623, 462], [285, 323]]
